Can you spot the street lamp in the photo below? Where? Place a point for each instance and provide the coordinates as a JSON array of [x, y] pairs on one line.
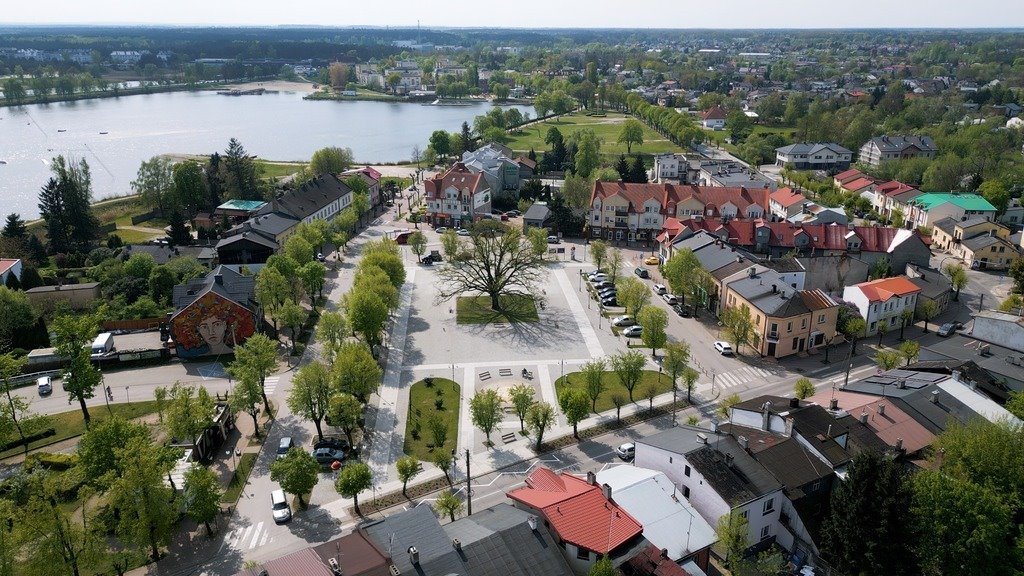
[[126, 397]]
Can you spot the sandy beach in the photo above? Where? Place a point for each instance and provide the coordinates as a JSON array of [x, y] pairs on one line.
[[276, 85]]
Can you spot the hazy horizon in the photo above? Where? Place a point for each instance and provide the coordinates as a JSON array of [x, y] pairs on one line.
[[536, 14]]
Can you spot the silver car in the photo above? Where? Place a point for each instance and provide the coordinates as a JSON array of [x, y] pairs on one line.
[[279, 506]]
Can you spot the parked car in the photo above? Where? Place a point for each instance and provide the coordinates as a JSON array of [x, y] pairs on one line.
[[326, 456], [504, 217], [603, 284], [462, 232], [284, 446], [279, 506], [335, 443], [553, 240], [633, 332], [724, 348], [611, 301], [671, 299], [623, 321], [947, 329], [607, 292], [513, 213], [642, 272], [597, 277], [660, 289], [683, 310], [440, 229], [44, 384], [626, 451], [652, 260], [320, 257]]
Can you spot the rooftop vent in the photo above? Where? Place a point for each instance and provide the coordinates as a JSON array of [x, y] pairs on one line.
[[881, 409], [702, 437], [335, 568], [744, 443], [864, 417], [456, 543], [934, 397], [394, 570], [532, 521], [414, 555]]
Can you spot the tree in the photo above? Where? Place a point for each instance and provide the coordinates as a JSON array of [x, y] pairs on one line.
[[297, 473], [906, 317], [498, 265], [986, 453], [448, 503], [352, 480], [910, 350], [65, 203], [147, 508], [15, 413], [154, 183], [593, 380], [271, 290], [202, 496], [725, 405], [485, 410], [997, 194], [259, 354], [243, 174], [97, 448], [633, 294], [418, 243], [739, 326], [189, 412], [576, 191], [598, 252], [330, 160], [803, 388], [246, 396], [603, 567], [521, 398], [189, 186], [298, 249], [690, 377], [957, 277], [355, 371], [888, 359], [310, 394], [161, 284], [313, 274], [675, 362], [853, 329], [1015, 404], [684, 274], [331, 330], [450, 244], [653, 321], [882, 328], [54, 540], [367, 314], [588, 152], [373, 279], [293, 316], [539, 418], [408, 467], [629, 367], [632, 132], [72, 339], [637, 170], [929, 308], [17, 318], [345, 411], [868, 525], [440, 144], [538, 239], [1016, 271], [575, 406], [732, 535], [14, 228], [882, 268]]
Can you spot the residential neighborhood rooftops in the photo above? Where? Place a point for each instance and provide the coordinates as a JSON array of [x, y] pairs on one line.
[[883, 289], [974, 202], [223, 281], [848, 175], [458, 177], [731, 472], [900, 143], [419, 528], [714, 113], [356, 554], [668, 195], [813, 148], [787, 197], [7, 263], [499, 541]]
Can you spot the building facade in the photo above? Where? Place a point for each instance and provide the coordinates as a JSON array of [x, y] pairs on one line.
[[882, 149], [814, 156], [883, 300]]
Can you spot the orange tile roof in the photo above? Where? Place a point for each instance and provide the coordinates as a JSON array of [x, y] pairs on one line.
[[7, 263], [885, 288], [577, 511], [458, 176], [858, 184], [668, 195], [849, 175], [715, 113], [787, 197]]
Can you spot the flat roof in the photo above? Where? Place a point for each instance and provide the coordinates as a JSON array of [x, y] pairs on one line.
[[247, 205]]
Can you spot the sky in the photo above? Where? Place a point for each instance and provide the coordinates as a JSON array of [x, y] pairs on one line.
[[526, 13]]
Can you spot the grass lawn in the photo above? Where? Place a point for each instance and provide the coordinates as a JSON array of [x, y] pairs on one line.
[[607, 129], [234, 490], [612, 385], [275, 170], [477, 310], [70, 424], [136, 236], [422, 404]]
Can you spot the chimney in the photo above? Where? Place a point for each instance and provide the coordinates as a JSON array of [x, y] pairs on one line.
[[532, 522], [864, 417], [956, 375], [752, 272], [881, 409], [335, 568], [456, 543], [714, 426], [218, 279], [828, 432], [591, 478], [901, 383], [934, 397], [899, 444], [775, 288], [744, 443], [739, 259], [794, 402], [833, 404], [414, 555], [766, 414], [702, 437], [607, 490]]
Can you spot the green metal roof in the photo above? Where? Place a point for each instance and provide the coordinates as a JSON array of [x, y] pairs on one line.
[[975, 202], [247, 205]]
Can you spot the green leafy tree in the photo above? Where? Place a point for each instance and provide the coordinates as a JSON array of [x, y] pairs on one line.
[[375, 280], [629, 367], [654, 321], [633, 294], [448, 503], [242, 173], [888, 359], [803, 388], [259, 354], [997, 194], [367, 314], [882, 328], [190, 186], [355, 371], [331, 330], [313, 274], [271, 290], [310, 394], [539, 418], [330, 160], [154, 183], [725, 405], [408, 468], [17, 318], [147, 507], [450, 244], [588, 152], [676, 361], [440, 144], [298, 249], [632, 132], [498, 265], [485, 410], [521, 398], [603, 567], [690, 377], [247, 396], [16, 419], [593, 380], [906, 317], [418, 243], [97, 448], [957, 277], [575, 406], [1015, 404], [161, 285], [684, 274], [929, 308], [910, 350], [297, 473], [352, 480], [72, 339], [732, 537], [54, 540], [598, 252], [190, 411], [986, 453], [345, 411], [739, 326], [853, 328], [538, 239], [293, 316], [202, 496], [65, 203], [868, 525]]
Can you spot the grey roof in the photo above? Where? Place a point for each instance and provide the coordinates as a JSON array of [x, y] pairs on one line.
[[538, 212], [498, 541], [812, 148], [231, 285], [270, 224], [1001, 362], [758, 290], [247, 236], [900, 143], [973, 221], [163, 254], [417, 528], [947, 225], [713, 257], [984, 240], [932, 283], [64, 287], [309, 198]]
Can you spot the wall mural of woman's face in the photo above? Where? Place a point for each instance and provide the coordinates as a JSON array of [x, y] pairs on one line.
[[212, 330]]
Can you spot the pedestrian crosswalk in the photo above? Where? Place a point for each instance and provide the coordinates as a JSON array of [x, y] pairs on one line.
[[249, 537], [740, 376], [270, 384]]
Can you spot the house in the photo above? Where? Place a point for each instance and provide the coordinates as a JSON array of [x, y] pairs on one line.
[[931, 207], [882, 300], [847, 176], [1014, 214], [663, 510], [10, 267], [893, 195], [372, 179], [247, 248], [893, 426], [238, 210], [713, 118], [76, 296], [813, 213], [731, 174], [886, 148], [538, 215], [979, 242], [214, 314], [652, 561], [582, 517], [785, 203], [814, 156], [457, 197], [864, 184], [935, 287], [498, 165], [720, 477], [786, 321], [527, 168], [673, 167], [164, 253], [321, 198]]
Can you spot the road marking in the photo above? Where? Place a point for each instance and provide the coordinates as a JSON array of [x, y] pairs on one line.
[[270, 384], [238, 543], [256, 536], [264, 539], [580, 315]]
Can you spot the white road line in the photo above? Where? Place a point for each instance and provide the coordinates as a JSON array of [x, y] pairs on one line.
[[264, 539], [270, 384], [493, 364], [256, 536], [248, 530], [468, 387], [580, 315]]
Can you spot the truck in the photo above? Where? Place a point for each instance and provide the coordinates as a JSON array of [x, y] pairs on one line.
[[103, 344]]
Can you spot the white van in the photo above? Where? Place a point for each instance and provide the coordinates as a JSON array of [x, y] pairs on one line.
[[279, 506], [102, 344]]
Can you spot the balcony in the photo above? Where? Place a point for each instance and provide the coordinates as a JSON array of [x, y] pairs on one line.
[[772, 336], [621, 213]]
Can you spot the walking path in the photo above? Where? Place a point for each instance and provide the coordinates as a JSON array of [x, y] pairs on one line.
[[580, 315]]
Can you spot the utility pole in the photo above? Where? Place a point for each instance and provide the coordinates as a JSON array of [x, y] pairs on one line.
[[469, 490]]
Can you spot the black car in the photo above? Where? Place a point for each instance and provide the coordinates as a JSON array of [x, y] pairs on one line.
[[683, 310], [326, 456], [642, 272], [602, 294], [609, 302], [333, 443]]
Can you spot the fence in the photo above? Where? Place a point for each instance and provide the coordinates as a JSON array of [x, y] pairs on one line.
[[140, 324], [145, 216]]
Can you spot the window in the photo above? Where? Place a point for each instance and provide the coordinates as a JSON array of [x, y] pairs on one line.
[[582, 554], [769, 506], [765, 532], [775, 327], [745, 514], [686, 471], [686, 491], [821, 318], [789, 327], [803, 322]]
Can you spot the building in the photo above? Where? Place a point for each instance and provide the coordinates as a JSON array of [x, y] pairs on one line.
[[669, 522], [930, 207], [457, 198], [785, 203], [882, 300], [372, 179], [164, 253], [498, 165], [673, 167], [981, 243], [786, 321], [731, 174], [582, 517], [9, 267], [893, 195], [713, 118], [75, 296], [813, 213], [214, 314], [935, 287], [893, 426], [886, 148], [537, 216], [814, 156], [625, 211]]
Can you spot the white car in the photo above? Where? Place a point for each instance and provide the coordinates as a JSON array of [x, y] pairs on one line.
[[440, 229], [597, 276], [462, 232], [670, 299], [723, 348], [660, 289], [623, 321], [279, 506], [626, 451], [553, 240], [633, 332], [44, 385]]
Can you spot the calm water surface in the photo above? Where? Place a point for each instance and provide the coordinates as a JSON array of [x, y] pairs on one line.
[[275, 126]]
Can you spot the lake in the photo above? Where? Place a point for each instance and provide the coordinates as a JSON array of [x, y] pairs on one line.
[[116, 134]]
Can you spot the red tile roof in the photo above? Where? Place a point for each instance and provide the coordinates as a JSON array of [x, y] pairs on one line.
[[787, 197], [669, 230], [894, 188], [715, 113], [883, 289], [457, 176], [668, 195], [895, 424], [7, 263], [650, 562], [741, 231], [577, 511], [849, 175], [858, 184]]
